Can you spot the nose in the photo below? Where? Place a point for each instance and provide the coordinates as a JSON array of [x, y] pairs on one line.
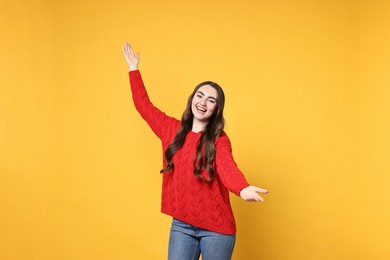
[[203, 102]]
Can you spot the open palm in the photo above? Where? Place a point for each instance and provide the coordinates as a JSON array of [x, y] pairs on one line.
[[132, 59]]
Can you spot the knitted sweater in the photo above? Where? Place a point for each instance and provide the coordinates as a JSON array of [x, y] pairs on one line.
[[185, 197]]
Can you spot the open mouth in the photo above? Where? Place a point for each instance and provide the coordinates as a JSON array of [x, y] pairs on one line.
[[201, 109]]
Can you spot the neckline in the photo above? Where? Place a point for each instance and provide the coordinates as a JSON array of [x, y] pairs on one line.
[[192, 132]]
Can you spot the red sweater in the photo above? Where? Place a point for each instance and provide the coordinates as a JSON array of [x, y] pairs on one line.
[[191, 200]]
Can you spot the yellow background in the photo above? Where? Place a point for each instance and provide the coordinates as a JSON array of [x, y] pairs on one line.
[[307, 86]]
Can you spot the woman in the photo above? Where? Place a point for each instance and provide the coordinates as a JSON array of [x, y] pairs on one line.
[[198, 170]]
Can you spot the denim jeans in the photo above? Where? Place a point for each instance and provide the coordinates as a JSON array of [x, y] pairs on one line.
[[187, 242]]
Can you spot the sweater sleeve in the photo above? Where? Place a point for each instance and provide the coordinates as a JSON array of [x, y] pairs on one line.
[[156, 119], [227, 169]]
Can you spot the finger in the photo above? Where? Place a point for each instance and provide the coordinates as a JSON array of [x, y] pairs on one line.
[[264, 191], [258, 198], [125, 49], [261, 199], [260, 190], [131, 49], [128, 48]]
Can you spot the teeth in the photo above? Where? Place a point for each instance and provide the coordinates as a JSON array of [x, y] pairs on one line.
[[201, 109]]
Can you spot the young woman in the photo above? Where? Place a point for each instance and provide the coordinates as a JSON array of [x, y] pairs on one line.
[[198, 170]]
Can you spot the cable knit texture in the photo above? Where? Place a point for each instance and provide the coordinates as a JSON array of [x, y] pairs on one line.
[[204, 205]]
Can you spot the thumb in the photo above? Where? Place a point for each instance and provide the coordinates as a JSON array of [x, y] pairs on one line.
[[260, 190]]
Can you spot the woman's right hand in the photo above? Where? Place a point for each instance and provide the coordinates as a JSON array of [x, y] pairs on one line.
[[131, 58]]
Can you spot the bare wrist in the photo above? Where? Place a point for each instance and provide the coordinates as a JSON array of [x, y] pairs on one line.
[[131, 68]]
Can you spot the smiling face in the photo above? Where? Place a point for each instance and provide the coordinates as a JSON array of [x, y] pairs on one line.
[[204, 103]]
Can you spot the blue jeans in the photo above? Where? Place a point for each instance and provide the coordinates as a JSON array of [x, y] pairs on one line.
[[187, 242]]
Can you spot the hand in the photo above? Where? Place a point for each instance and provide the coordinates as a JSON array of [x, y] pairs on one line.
[[131, 58], [251, 193]]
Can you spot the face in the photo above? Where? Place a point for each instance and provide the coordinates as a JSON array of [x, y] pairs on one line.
[[204, 103]]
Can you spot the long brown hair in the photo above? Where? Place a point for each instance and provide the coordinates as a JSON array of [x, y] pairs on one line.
[[205, 151]]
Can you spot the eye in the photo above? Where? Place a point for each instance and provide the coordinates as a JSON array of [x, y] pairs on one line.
[[198, 95], [212, 101]]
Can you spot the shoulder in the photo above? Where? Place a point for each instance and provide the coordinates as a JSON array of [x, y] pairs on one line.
[[173, 124], [222, 140]]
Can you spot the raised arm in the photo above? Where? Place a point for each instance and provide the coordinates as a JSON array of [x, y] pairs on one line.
[[157, 120]]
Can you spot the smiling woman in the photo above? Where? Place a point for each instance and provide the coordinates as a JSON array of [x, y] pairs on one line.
[[204, 103], [199, 170]]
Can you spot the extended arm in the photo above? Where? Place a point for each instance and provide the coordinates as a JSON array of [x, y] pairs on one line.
[[230, 174]]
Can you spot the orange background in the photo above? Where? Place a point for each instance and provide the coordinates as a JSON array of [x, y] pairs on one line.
[[307, 111]]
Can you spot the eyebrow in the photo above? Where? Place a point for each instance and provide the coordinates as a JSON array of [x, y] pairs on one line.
[[205, 95]]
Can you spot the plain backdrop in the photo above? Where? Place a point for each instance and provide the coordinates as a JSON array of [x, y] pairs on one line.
[[307, 110]]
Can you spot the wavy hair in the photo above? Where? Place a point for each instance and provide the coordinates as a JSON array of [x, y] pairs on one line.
[[205, 150]]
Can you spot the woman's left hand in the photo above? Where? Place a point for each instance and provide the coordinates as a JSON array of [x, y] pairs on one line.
[[251, 193]]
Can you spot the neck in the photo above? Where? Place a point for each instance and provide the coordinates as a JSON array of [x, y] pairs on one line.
[[198, 126]]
